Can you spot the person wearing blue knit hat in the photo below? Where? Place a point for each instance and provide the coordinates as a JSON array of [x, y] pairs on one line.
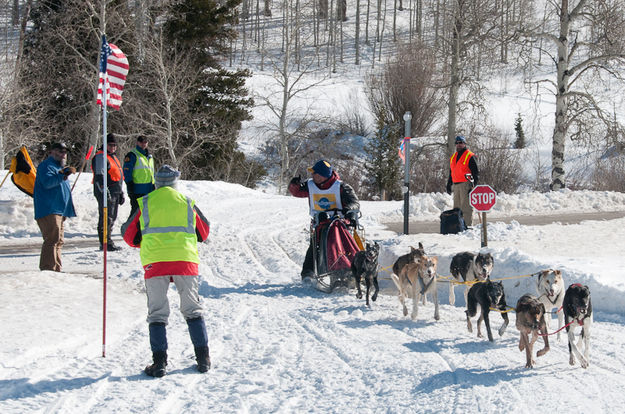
[[325, 191]]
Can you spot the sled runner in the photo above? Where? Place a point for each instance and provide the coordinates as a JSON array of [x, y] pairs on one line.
[[335, 242]]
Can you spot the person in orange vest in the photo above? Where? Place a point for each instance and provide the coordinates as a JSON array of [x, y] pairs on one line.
[[463, 175], [114, 192]]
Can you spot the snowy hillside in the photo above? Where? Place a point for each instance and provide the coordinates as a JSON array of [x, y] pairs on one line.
[[277, 346]]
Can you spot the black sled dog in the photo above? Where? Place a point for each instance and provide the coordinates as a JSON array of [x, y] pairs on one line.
[[488, 295], [365, 265], [577, 309]]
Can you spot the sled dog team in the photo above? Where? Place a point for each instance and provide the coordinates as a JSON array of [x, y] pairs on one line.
[[414, 274]]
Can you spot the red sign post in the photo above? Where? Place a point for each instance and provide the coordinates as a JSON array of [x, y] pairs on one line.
[[483, 198]]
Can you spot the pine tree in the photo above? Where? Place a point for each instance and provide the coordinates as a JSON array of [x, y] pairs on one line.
[[202, 30], [382, 165], [520, 135]]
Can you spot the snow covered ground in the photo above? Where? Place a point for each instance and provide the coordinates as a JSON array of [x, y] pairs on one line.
[[277, 346]]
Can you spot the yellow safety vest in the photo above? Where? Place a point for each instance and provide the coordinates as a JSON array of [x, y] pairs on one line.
[[167, 227], [143, 170]]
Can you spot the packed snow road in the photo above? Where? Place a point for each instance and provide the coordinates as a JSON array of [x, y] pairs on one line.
[[278, 346]]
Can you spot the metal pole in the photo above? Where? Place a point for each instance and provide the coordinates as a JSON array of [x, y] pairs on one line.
[[407, 118]]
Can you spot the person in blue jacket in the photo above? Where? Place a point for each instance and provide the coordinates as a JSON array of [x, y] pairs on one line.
[[138, 173], [53, 204]]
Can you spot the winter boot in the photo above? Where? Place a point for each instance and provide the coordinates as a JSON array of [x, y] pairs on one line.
[[157, 369], [197, 332], [202, 358]]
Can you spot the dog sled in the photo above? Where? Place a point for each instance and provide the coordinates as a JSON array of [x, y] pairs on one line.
[[335, 241]]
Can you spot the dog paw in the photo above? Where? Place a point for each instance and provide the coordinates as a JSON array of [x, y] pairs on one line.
[[542, 352], [437, 317], [374, 297], [359, 295], [583, 363], [413, 316], [405, 312], [572, 360], [530, 364]]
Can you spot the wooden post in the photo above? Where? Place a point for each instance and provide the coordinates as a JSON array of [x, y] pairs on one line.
[[484, 231]]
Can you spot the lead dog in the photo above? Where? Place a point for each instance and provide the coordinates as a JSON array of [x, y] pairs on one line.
[[530, 319], [577, 309], [488, 295], [365, 265], [550, 288], [418, 279], [467, 266], [412, 257]]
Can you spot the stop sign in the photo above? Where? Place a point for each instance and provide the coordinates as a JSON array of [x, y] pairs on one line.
[[482, 198]]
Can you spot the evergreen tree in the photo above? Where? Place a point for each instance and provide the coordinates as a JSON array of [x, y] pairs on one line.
[[176, 92], [202, 31], [382, 165], [520, 135], [57, 80]]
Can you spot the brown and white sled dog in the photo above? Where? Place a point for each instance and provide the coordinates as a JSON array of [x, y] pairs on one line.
[[530, 319], [416, 280], [412, 257], [577, 309], [467, 266], [550, 288]]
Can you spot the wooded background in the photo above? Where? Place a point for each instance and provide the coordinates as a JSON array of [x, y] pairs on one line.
[[189, 60]]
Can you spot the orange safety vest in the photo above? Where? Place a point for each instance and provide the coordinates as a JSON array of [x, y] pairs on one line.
[[115, 172], [460, 168]]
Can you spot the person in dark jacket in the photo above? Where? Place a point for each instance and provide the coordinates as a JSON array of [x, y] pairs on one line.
[[325, 192], [114, 191], [463, 176], [53, 204], [167, 227], [138, 172]]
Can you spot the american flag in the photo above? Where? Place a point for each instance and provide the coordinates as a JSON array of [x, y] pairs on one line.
[[402, 151], [113, 65]]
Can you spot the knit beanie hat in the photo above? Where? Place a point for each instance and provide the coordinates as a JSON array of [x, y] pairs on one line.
[[166, 176]]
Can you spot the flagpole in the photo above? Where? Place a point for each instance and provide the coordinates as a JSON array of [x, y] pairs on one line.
[[104, 194]]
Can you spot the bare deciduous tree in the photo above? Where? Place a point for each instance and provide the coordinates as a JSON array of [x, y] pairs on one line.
[[586, 39]]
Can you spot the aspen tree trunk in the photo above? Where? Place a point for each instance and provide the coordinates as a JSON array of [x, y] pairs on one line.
[[561, 126], [357, 34]]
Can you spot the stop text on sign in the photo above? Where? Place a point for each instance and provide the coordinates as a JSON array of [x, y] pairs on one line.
[[482, 198]]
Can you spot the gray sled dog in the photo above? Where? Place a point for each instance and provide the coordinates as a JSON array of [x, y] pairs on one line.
[[466, 267], [550, 288], [416, 280]]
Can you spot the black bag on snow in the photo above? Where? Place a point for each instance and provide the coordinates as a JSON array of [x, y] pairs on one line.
[[452, 221]]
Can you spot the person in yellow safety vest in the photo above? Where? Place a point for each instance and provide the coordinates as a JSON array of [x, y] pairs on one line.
[[167, 227], [114, 189], [463, 176], [138, 172]]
